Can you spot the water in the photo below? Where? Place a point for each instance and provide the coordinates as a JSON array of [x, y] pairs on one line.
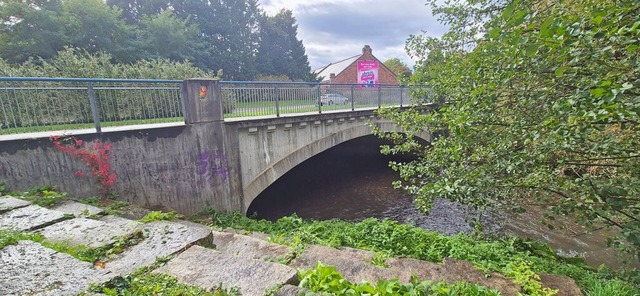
[[352, 181]]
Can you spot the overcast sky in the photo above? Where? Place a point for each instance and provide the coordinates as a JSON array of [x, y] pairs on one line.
[[332, 30]]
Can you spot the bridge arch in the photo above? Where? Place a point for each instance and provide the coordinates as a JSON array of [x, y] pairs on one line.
[[280, 167]]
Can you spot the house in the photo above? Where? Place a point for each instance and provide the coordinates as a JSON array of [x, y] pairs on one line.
[[364, 69]]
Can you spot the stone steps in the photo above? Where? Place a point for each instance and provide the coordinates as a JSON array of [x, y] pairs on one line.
[[29, 268], [250, 263], [207, 268]]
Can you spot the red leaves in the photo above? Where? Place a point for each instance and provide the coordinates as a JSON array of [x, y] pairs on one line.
[[96, 158]]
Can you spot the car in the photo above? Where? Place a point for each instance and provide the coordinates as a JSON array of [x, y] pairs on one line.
[[331, 99]]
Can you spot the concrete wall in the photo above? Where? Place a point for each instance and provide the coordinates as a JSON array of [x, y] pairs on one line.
[[184, 168]]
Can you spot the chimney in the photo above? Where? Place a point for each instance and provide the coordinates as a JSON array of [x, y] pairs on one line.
[[366, 49], [332, 75]]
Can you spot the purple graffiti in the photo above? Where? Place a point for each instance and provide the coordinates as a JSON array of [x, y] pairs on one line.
[[211, 165]]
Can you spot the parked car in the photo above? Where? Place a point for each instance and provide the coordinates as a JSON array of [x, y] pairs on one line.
[[331, 99]]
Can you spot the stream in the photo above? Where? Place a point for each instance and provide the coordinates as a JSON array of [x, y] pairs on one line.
[[352, 181]]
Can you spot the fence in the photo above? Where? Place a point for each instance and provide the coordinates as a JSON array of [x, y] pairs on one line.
[[30, 104], [242, 99], [44, 104]]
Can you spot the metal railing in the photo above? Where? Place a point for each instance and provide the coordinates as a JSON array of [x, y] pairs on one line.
[[33, 104], [250, 98], [30, 104]]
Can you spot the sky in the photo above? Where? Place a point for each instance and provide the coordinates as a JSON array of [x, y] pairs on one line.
[[332, 30]]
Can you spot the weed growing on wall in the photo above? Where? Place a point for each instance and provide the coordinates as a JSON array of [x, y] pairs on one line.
[[95, 156]]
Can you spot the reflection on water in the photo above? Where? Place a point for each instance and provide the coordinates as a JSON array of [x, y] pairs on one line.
[[352, 181]]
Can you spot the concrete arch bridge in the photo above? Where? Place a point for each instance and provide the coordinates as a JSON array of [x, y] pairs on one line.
[[205, 162]]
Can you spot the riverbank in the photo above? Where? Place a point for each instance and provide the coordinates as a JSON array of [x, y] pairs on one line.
[[372, 250]]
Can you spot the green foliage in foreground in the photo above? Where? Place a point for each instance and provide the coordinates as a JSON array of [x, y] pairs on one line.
[[540, 104], [160, 216], [402, 240], [10, 237], [44, 196], [327, 281], [95, 255], [143, 282]]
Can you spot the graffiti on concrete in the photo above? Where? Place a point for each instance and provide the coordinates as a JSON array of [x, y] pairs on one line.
[[212, 165]]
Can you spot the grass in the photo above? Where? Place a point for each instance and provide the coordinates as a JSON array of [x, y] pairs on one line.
[[160, 216], [243, 109], [44, 196], [76, 126], [11, 237], [97, 255], [514, 257], [144, 282]]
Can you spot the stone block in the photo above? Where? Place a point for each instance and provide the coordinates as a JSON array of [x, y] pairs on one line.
[[249, 247], [162, 239], [28, 268], [89, 232], [207, 268], [8, 203], [354, 265], [30, 218], [78, 209]]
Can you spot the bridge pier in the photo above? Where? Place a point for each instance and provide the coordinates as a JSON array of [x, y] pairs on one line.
[[215, 144]]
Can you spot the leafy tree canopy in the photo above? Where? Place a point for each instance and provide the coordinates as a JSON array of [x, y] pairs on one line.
[[540, 106], [280, 51], [398, 67], [229, 35]]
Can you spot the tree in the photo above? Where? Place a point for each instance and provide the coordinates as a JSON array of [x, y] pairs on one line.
[[164, 36], [94, 26], [540, 105], [30, 29], [133, 11], [230, 31], [398, 67], [280, 52], [42, 28]]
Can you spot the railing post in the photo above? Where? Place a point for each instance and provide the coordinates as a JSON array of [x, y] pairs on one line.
[[275, 90], [94, 107], [401, 91], [202, 100], [353, 98], [319, 101], [379, 96]]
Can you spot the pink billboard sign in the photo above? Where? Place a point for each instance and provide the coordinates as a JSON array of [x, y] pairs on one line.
[[368, 73]]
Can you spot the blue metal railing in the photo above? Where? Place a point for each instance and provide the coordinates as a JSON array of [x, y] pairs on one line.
[[33, 104]]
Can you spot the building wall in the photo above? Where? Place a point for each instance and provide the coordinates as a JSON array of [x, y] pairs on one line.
[[350, 74]]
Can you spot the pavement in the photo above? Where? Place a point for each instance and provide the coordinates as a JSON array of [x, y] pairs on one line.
[[195, 255]]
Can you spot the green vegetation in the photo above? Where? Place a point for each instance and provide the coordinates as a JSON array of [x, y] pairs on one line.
[[44, 196], [116, 208], [160, 216], [11, 237], [97, 255], [247, 42], [327, 281], [73, 126], [540, 106], [143, 282], [514, 257]]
